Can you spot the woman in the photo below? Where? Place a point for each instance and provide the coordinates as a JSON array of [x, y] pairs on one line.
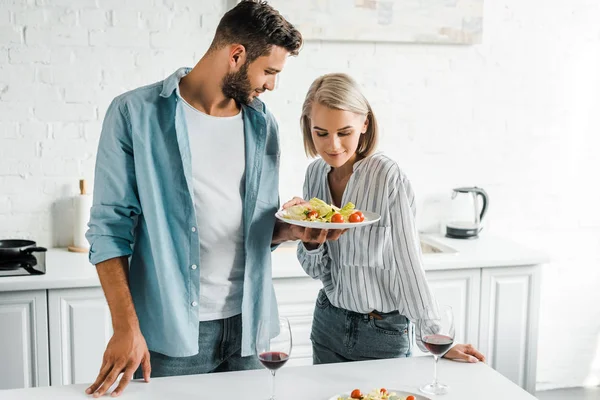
[[374, 284]]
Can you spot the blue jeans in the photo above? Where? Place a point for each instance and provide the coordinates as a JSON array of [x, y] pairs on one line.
[[220, 347], [340, 335]]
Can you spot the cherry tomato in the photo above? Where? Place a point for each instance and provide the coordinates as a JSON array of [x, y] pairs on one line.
[[360, 214], [337, 218], [410, 398], [383, 391], [312, 214], [356, 394], [354, 218]]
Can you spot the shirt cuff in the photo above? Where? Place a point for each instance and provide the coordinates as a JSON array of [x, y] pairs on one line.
[[106, 247], [320, 251]]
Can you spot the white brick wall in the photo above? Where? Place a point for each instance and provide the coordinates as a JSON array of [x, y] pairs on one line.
[[518, 115]]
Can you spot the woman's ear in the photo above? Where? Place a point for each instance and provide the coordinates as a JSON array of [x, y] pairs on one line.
[[365, 125]]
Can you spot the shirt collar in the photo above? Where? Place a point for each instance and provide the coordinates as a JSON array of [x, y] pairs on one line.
[[357, 165], [171, 84]]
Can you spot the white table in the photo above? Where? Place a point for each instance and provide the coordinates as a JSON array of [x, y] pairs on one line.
[[467, 382]]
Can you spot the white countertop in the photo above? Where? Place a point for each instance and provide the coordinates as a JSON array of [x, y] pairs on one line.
[[73, 270], [63, 270], [466, 381], [484, 252]]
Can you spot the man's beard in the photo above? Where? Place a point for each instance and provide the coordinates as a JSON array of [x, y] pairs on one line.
[[236, 85]]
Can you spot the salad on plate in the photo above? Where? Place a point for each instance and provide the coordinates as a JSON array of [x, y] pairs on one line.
[[319, 211], [375, 394]]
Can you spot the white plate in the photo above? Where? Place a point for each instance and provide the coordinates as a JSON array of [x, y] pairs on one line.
[[370, 218], [402, 394]]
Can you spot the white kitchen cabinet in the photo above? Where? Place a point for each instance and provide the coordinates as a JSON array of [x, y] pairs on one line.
[[509, 322], [23, 340], [296, 299], [460, 289], [80, 328]]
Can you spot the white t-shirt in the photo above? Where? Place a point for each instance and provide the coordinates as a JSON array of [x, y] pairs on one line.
[[218, 165]]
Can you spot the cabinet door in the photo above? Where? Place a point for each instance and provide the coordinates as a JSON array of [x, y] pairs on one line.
[[80, 327], [23, 340], [296, 299], [459, 289], [509, 322]]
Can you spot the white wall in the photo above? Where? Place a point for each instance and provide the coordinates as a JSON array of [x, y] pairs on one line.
[[518, 115]]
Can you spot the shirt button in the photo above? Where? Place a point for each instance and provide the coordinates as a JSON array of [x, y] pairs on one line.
[[193, 229], [194, 266], [194, 304]]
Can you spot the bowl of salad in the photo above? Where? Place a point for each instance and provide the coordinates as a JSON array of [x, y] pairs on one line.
[[320, 215]]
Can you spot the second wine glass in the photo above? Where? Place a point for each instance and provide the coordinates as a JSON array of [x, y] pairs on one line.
[[274, 346], [437, 334]]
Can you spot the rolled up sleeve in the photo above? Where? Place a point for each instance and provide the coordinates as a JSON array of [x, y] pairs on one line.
[[116, 202]]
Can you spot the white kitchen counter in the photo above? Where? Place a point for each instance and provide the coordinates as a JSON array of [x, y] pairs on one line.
[[484, 252], [63, 270], [466, 381], [73, 270]]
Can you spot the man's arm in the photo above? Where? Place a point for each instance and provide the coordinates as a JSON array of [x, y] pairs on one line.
[[281, 233], [113, 277], [116, 205], [127, 348]]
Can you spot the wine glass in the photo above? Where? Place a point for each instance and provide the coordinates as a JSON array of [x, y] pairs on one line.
[[437, 334], [274, 346]]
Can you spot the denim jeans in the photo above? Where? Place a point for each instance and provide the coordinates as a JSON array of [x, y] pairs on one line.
[[220, 346], [340, 335]]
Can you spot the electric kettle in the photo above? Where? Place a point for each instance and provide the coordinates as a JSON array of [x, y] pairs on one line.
[[467, 213]]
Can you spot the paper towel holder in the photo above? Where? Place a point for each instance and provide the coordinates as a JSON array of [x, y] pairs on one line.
[[82, 192]]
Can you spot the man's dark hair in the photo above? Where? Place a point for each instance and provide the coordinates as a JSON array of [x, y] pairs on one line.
[[257, 26]]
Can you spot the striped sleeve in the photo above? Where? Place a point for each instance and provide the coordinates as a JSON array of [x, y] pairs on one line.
[[315, 262], [414, 289]]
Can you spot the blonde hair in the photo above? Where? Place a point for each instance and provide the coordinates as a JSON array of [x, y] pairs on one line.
[[339, 91]]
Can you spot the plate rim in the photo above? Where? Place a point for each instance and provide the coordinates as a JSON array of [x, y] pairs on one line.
[[330, 225]]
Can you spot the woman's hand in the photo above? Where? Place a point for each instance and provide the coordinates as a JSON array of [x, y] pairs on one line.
[[464, 352], [295, 202]]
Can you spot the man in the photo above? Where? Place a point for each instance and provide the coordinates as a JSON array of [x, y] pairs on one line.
[[186, 186]]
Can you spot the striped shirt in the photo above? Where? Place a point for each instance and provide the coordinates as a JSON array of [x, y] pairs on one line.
[[377, 267]]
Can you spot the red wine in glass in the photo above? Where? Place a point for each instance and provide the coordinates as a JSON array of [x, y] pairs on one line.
[[274, 346], [436, 326], [273, 360], [438, 344]]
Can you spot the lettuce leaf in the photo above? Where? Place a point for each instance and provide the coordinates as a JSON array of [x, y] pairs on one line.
[[297, 212], [320, 206], [347, 210]]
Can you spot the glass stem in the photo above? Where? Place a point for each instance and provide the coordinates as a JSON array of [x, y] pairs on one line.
[[435, 381], [273, 384]]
